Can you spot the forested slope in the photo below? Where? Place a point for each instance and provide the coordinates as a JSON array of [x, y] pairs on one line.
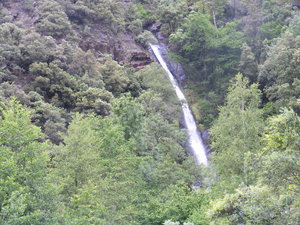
[[89, 126]]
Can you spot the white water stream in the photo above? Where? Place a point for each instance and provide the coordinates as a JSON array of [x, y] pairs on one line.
[[195, 141]]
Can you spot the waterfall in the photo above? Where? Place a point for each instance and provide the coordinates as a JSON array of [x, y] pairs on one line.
[[195, 140]]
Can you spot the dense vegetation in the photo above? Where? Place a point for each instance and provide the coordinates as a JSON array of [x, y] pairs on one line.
[[87, 139]]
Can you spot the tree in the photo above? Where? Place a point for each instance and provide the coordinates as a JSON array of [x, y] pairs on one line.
[[159, 96], [10, 38], [177, 203], [27, 195], [107, 12], [53, 20], [279, 158], [114, 76], [237, 129], [195, 39], [279, 73], [55, 84], [248, 64], [172, 14], [80, 147], [254, 205]]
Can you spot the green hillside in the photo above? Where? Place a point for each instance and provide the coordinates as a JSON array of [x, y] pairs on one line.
[[90, 126]]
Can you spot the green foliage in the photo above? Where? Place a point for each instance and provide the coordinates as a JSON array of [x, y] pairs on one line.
[[254, 205], [50, 118], [71, 164], [130, 166], [196, 37], [294, 25], [36, 48], [93, 100], [28, 5], [118, 181], [10, 37], [276, 164], [142, 13], [237, 129], [146, 38], [177, 203], [172, 14], [53, 20], [154, 78], [277, 18], [136, 27], [4, 14], [279, 73], [86, 67], [27, 196], [114, 76], [281, 150], [107, 12], [211, 56], [228, 49], [248, 64], [54, 83], [130, 114]]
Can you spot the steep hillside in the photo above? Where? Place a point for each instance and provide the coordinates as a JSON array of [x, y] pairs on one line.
[[89, 125], [65, 56]]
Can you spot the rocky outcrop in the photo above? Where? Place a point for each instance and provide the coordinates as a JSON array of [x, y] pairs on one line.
[[139, 60], [296, 4], [127, 51], [122, 47]]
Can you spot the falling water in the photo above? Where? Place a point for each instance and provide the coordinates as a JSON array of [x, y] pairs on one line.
[[195, 141]]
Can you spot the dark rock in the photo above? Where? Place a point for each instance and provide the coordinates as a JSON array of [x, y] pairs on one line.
[[155, 28], [174, 67], [139, 60], [161, 37], [205, 138], [296, 4]]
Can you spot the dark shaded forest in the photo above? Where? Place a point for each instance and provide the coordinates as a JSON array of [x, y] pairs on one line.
[[90, 127]]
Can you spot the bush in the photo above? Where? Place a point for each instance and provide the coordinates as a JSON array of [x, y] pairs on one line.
[[136, 26], [4, 15], [146, 38], [53, 20]]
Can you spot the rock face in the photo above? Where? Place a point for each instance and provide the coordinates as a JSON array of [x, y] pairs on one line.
[[206, 137], [121, 47], [139, 60], [126, 50], [296, 4]]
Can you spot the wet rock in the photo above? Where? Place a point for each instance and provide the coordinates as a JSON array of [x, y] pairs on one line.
[[175, 68], [161, 37], [205, 138], [296, 4]]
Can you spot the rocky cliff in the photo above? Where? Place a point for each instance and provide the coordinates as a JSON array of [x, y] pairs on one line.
[[97, 36]]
